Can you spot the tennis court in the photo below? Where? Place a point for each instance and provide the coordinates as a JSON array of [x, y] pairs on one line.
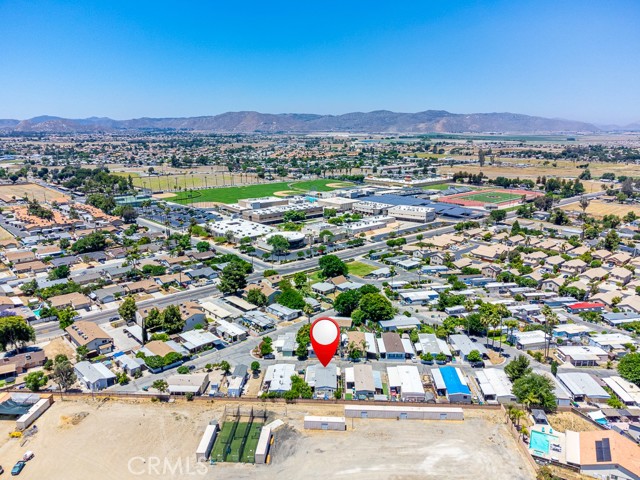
[[238, 439]]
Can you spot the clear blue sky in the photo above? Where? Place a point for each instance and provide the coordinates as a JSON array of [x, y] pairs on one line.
[[123, 59]]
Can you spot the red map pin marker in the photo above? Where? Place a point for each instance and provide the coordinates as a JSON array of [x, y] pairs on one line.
[[325, 336]]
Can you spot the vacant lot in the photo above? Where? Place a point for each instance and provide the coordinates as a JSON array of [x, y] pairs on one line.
[[8, 193], [598, 208], [233, 194], [104, 440], [360, 269]]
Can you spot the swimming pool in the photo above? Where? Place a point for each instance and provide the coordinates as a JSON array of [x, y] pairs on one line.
[[539, 441]]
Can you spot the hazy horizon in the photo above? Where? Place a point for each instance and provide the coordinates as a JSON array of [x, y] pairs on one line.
[[571, 60]]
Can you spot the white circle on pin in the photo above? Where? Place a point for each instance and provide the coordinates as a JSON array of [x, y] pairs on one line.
[[325, 332]]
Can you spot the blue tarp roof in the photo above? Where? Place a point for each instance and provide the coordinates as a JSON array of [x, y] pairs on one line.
[[452, 381]]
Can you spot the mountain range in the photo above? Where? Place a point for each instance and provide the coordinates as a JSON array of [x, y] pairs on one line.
[[380, 121]]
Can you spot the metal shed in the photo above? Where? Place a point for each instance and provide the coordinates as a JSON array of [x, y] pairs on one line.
[[324, 423]]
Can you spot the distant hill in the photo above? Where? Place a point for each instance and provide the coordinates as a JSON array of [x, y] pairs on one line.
[[380, 121]]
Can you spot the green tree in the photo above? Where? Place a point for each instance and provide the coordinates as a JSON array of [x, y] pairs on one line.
[[611, 241], [498, 215], [81, 353], [376, 307], [347, 302], [172, 321], [279, 245], [225, 367], [474, 356], [34, 381], [256, 297], [93, 242], [232, 279], [255, 366], [300, 279], [63, 373], [15, 332], [331, 266], [128, 309], [66, 317], [517, 368], [59, 272], [160, 385], [534, 390], [629, 368], [203, 246], [291, 298]]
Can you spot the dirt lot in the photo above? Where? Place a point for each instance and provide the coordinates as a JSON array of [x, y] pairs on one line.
[[563, 421], [598, 208], [116, 439], [7, 192]]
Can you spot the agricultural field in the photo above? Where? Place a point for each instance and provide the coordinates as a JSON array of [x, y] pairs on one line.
[[533, 168], [8, 193], [360, 269], [599, 208], [183, 181], [233, 194]]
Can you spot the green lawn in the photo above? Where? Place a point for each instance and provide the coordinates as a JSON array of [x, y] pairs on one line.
[[491, 197], [233, 194], [360, 269], [439, 186], [385, 389], [348, 396]]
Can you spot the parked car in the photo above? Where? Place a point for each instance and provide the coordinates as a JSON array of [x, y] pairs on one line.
[[1, 470], [269, 356], [17, 468], [28, 455]]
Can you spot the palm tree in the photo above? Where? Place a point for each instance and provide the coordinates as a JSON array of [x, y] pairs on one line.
[[530, 399], [584, 203], [517, 415], [551, 320]]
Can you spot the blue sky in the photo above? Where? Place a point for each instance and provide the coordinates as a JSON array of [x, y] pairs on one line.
[[125, 59]]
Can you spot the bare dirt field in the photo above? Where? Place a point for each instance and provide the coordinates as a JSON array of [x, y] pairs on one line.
[[599, 208], [31, 190], [530, 168], [107, 439], [563, 421], [4, 235]]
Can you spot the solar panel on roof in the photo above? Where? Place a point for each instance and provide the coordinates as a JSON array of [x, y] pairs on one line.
[[603, 450]]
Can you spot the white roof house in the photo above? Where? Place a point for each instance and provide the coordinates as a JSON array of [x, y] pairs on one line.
[[495, 385], [406, 379], [195, 383], [582, 385], [198, 339], [629, 393], [278, 377]]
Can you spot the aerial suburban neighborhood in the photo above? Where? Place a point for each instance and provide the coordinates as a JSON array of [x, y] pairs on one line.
[[516, 295], [267, 241]]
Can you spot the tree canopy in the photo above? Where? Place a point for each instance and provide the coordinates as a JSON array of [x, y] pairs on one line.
[[15, 332], [331, 266], [534, 390], [629, 367]]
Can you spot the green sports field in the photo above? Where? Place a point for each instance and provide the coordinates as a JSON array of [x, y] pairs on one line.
[[491, 197], [439, 186], [233, 194], [252, 434]]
